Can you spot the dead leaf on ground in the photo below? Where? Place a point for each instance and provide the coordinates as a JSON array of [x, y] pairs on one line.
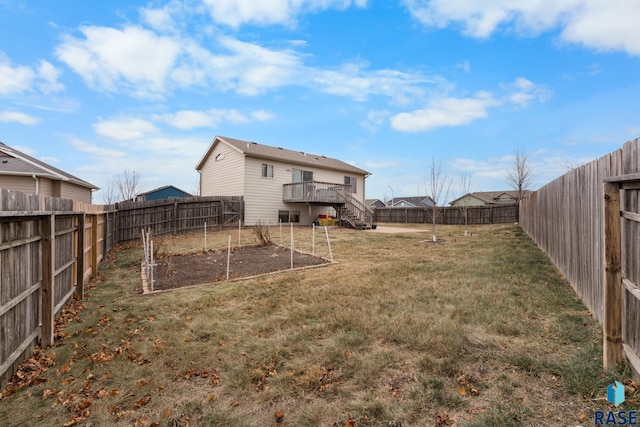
[[279, 415]]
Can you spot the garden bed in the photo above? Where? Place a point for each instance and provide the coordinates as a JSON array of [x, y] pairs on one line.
[[177, 271]]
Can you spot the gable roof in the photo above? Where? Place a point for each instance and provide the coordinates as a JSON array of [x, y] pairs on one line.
[[413, 201], [253, 149], [491, 197], [164, 187], [14, 162], [374, 202]]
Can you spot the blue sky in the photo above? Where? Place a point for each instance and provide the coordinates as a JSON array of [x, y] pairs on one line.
[[95, 88]]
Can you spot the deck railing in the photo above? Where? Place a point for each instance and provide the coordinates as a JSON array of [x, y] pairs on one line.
[[313, 192]]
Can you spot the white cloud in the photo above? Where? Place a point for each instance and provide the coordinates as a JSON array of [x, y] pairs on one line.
[[522, 92], [94, 149], [445, 112], [451, 111], [22, 78], [598, 24], [107, 57], [14, 79], [262, 115], [125, 129], [143, 63], [375, 120], [14, 116], [191, 119], [266, 12], [49, 75], [355, 81]]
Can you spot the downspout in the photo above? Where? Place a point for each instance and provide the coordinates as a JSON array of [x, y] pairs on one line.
[[37, 183]]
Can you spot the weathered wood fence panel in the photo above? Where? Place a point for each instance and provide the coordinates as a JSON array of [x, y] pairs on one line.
[[566, 218], [502, 214], [172, 216], [44, 249], [49, 248], [20, 280]]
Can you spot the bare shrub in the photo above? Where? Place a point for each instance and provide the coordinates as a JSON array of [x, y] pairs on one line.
[[262, 233]]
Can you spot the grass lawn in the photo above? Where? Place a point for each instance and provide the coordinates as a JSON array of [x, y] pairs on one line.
[[475, 331]]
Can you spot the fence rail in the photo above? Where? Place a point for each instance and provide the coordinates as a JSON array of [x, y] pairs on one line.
[[177, 215], [566, 218], [50, 248], [502, 214]]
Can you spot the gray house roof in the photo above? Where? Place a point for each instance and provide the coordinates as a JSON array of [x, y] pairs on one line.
[[14, 162], [492, 197], [415, 201], [253, 149]]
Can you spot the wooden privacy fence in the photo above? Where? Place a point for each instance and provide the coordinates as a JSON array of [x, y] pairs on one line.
[[587, 222], [502, 214], [49, 248], [171, 216]]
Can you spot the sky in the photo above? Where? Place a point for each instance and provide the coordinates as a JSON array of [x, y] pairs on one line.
[[393, 87]]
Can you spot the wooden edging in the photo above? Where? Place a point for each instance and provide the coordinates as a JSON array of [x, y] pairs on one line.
[[146, 289]]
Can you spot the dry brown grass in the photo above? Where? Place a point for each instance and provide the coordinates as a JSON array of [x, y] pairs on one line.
[[478, 331]]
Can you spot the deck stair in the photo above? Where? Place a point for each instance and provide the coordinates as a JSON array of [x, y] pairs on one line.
[[353, 213]]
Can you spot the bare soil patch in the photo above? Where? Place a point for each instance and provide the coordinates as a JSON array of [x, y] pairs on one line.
[[176, 271]]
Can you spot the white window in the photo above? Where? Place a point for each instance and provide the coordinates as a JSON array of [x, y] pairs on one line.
[[352, 181], [267, 170], [299, 175]]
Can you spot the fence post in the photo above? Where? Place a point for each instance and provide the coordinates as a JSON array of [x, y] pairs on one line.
[[612, 329], [94, 245], [175, 218], [48, 278], [80, 259]]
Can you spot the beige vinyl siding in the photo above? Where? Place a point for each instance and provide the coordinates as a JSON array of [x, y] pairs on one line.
[[469, 201], [263, 196], [24, 184], [224, 177], [72, 191], [46, 187]]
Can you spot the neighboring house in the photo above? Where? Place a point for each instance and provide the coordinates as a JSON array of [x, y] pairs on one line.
[[280, 185], [411, 202], [374, 203], [166, 192], [21, 172], [487, 198]]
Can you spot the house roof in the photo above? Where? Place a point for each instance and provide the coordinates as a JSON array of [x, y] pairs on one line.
[[370, 202], [253, 149], [164, 187], [490, 197], [14, 162], [413, 200]]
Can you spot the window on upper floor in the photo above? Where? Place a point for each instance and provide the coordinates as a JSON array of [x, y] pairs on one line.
[[267, 170], [299, 175], [352, 181]]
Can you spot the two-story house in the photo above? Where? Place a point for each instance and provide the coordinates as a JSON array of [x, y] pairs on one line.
[[281, 185]]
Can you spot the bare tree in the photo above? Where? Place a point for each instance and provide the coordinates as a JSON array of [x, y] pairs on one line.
[[109, 194], [464, 185], [437, 185], [520, 177], [123, 187]]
